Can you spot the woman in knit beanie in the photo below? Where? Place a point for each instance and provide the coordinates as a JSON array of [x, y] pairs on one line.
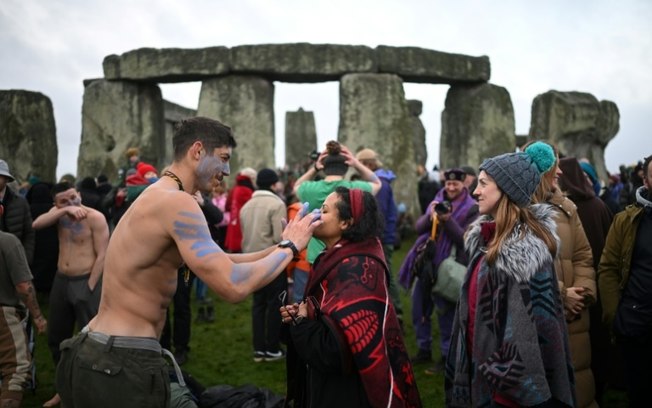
[[510, 345], [576, 278]]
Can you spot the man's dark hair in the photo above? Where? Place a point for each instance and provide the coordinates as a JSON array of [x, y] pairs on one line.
[[210, 132], [646, 165], [60, 188], [370, 224]]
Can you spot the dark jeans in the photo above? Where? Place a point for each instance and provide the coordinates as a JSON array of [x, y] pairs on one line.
[[179, 330], [265, 315], [71, 301], [637, 359]]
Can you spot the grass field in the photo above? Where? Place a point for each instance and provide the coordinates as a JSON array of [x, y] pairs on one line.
[[221, 353]]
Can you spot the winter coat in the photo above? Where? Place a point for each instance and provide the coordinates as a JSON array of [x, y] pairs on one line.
[[46, 240], [17, 220], [261, 220], [238, 196], [615, 264], [574, 267], [596, 219], [520, 345], [387, 205]]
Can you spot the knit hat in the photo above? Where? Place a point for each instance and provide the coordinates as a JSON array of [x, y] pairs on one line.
[[518, 174], [4, 170], [144, 168], [265, 178]]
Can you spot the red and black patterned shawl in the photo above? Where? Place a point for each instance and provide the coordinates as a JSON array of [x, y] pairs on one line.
[[350, 283]]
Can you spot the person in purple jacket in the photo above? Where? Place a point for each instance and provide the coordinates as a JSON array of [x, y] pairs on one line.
[[459, 212]]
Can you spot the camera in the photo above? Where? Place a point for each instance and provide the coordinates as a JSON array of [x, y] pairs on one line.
[[444, 207]]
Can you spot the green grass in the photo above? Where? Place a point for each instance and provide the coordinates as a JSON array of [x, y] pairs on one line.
[[221, 353]]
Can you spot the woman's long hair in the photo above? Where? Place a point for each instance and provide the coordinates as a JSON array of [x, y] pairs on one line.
[[508, 216]]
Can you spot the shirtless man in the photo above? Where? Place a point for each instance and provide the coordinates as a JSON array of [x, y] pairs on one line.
[[83, 238], [117, 361]]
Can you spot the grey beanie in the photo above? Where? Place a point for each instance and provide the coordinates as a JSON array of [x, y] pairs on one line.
[[518, 174]]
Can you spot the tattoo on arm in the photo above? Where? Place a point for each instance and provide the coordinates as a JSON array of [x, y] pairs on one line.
[[27, 295], [242, 272], [194, 228]]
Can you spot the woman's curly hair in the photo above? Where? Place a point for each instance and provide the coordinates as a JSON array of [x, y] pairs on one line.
[[369, 225]]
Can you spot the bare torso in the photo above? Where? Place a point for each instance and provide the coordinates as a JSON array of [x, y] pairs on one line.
[[76, 247], [140, 271]]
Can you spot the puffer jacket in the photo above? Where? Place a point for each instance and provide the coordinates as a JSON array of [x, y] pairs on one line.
[[17, 220], [574, 268]]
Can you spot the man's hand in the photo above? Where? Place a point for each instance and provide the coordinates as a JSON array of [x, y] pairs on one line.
[[299, 229], [41, 324], [76, 213]]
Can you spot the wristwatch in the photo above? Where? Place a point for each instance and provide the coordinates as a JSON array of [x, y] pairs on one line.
[[286, 243]]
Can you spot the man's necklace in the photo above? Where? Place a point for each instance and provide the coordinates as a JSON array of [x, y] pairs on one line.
[[186, 270], [175, 178]]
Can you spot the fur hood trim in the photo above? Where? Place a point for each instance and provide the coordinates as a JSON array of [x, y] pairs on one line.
[[523, 253]]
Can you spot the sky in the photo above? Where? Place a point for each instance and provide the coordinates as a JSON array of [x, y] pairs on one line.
[[599, 47]]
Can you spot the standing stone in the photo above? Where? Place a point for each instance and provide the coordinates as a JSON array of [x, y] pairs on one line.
[[415, 108], [173, 114], [116, 116], [579, 124], [300, 138], [246, 104], [477, 123], [374, 114], [28, 140]]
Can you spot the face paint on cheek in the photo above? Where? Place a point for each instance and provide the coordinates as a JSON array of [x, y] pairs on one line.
[[75, 202], [206, 169]]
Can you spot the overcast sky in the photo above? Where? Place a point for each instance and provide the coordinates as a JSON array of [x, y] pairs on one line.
[[600, 47]]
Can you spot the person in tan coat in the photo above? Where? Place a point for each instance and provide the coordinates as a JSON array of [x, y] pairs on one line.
[[576, 277]]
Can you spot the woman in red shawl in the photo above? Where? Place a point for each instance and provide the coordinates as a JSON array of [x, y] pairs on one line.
[[346, 348]]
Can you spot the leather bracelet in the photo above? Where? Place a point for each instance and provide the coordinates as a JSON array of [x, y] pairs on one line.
[[314, 166]]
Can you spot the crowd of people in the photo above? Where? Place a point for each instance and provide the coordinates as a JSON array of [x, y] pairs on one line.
[[553, 310]]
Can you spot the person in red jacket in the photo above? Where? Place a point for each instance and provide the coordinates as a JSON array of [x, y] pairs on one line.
[[238, 196]]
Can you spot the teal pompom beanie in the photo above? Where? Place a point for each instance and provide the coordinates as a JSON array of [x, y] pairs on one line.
[[518, 174]]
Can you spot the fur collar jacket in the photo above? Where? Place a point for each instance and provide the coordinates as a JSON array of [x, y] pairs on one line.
[[518, 349]]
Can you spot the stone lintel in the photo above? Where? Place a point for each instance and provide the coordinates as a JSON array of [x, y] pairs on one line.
[[414, 64], [302, 62], [295, 62], [168, 64]]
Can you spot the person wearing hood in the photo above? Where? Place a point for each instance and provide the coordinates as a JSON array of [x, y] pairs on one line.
[[387, 206], [596, 219], [625, 281], [237, 198], [510, 343], [575, 276]]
